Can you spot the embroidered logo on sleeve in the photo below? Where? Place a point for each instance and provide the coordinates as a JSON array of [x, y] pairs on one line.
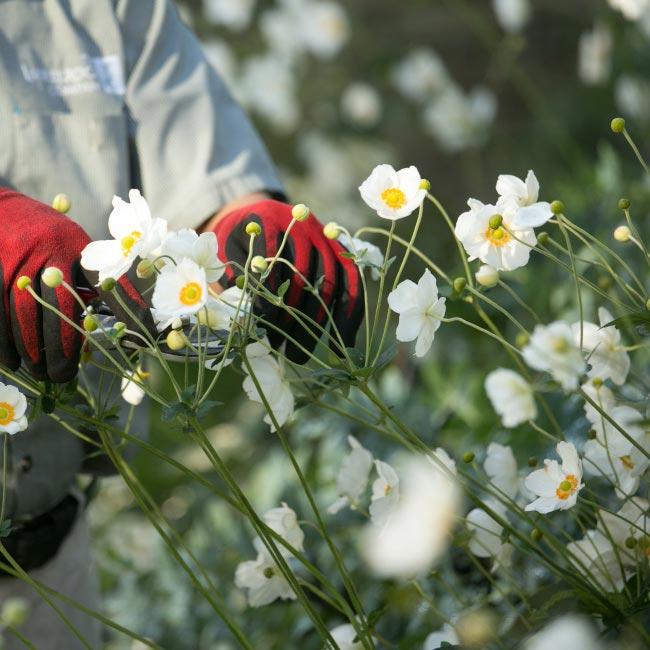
[[96, 74]]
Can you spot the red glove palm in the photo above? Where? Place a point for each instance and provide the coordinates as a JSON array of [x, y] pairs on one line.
[[313, 255], [34, 236]]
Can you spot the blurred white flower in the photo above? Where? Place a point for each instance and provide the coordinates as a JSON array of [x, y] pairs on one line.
[[486, 534], [501, 467], [361, 105], [632, 95], [284, 522], [520, 198], [394, 194], [344, 636], [459, 121], [447, 634], [512, 15], [494, 246], [366, 253], [511, 397], [233, 14], [179, 291], [420, 75], [418, 530], [420, 310], [567, 632], [595, 55], [135, 233], [556, 485], [221, 311], [602, 396], [614, 455], [352, 478], [552, 348], [602, 345], [441, 457], [385, 493], [13, 405], [201, 249], [263, 580], [632, 9], [131, 388], [487, 276], [270, 375]]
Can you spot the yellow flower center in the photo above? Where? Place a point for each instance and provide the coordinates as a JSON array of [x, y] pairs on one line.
[[497, 236], [393, 197], [190, 294], [6, 413], [627, 461], [387, 490], [129, 241], [568, 486]]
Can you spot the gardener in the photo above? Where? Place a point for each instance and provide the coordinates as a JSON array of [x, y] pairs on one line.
[[99, 96]]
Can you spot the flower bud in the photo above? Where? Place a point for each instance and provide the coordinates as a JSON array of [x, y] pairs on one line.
[[253, 228], [119, 329], [542, 238], [61, 203], [618, 125], [175, 340], [459, 284], [176, 323], [557, 207], [23, 282], [622, 234], [331, 230], [522, 339], [86, 356], [532, 462], [425, 185], [623, 204], [536, 534], [14, 612], [468, 456], [495, 221], [596, 382], [90, 322], [630, 542], [477, 628], [240, 282], [487, 276], [145, 269], [268, 572], [107, 285], [300, 212], [259, 264], [592, 434], [208, 318], [52, 277]]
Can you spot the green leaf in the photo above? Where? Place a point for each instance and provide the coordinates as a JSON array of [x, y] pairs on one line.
[[348, 256], [173, 411], [640, 321], [206, 407], [357, 357], [283, 288], [387, 356], [5, 527]]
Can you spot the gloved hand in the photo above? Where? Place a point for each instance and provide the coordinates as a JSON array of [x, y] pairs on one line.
[[313, 255], [34, 237]]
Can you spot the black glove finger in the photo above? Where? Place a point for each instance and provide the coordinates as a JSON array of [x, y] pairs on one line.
[[9, 357]]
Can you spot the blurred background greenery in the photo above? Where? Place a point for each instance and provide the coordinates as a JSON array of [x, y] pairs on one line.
[[462, 89]]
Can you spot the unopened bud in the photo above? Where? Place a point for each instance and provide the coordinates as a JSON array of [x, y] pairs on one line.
[[240, 282], [259, 264], [108, 284], [253, 228], [542, 238], [617, 125], [459, 284], [208, 318], [175, 340], [495, 221], [468, 456], [145, 269], [86, 356], [536, 534], [557, 207], [119, 329], [176, 323], [52, 277], [331, 230], [487, 276], [532, 461], [61, 203], [622, 234], [300, 212], [522, 339], [477, 628], [268, 572], [630, 542], [424, 185], [90, 322], [23, 282], [14, 612], [623, 204], [592, 434], [596, 382]]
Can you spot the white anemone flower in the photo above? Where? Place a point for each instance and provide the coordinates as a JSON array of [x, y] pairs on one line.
[[135, 233], [556, 485], [385, 493], [13, 405], [567, 632], [202, 249], [284, 521], [419, 528], [552, 348], [352, 478], [180, 290], [605, 354], [501, 468], [131, 388], [224, 310], [603, 397], [420, 311], [486, 534], [233, 14], [393, 194], [263, 580], [269, 374], [521, 196], [512, 15], [511, 397], [420, 75], [344, 636], [504, 248]]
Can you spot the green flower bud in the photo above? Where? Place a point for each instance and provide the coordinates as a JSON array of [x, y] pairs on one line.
[[300, 212], [468, 456], [331, 230], [52, 277], [253, 228], [542, 238], [425, 185], [495, 221], [536, 534], [591, 434], [596, 382], [176, 323], [623, 204], [175, 340], [630, 543], [532, 461], [268, 572], [107, 285], [145, 269], [487, 276], [618, 125], [90, 322], [86, 356], [119, 329], [522, 339], [259, 264], [622, 234], [61, 202], [459, 284], [240, 281], [23, 282], [604, 282], [15, 612], [557, 207]]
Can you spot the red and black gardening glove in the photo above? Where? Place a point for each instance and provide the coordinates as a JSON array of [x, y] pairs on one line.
[[313, 255], [34, 237]]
